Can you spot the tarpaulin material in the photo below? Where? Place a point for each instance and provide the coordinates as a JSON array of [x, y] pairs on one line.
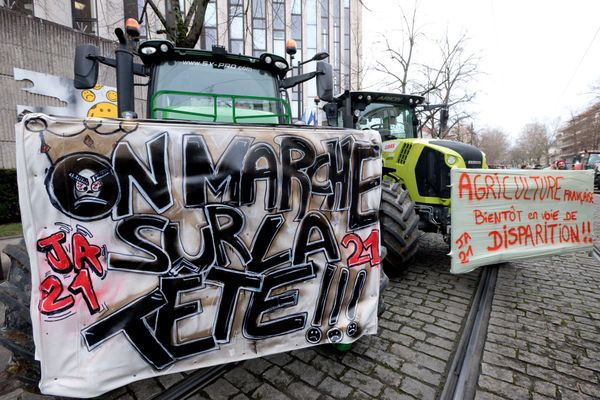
[[505, 215], [161, 247]]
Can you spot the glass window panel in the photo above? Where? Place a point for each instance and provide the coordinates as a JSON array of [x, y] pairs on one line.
[[259, 38], [296, 26], [324, 41], [258, 9], [278, 34], [279, 47], [211, 14], [237, 28], [236, 46], [311, 37], [278, 16], [310, 11], [296, 7], [210, 37]]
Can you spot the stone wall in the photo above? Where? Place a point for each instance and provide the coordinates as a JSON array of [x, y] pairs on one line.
[[38, 45]]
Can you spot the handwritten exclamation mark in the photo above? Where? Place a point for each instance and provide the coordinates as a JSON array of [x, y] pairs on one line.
[[586, 230]]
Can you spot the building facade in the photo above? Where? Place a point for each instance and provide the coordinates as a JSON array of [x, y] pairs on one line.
[[580, 134], [249, 27]]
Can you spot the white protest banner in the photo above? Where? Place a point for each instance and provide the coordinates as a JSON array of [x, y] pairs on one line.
[[504, 215], [159, 247]]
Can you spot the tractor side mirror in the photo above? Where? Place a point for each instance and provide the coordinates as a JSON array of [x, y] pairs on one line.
[[86, 66], [324, 81]]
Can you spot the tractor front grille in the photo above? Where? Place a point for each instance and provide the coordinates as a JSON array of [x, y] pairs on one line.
[[404, 151]]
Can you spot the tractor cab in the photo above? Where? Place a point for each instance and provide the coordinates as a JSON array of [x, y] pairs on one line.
[[392, 115], [215, 86], [200, 85]]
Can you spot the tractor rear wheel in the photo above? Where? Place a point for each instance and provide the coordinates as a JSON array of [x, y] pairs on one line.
[[16, 333], [399, 226]]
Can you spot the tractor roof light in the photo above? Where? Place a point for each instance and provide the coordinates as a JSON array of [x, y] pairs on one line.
[[451, 160], [155, 47], [281, 65], [290, 47], [148, 50], [132, 27]]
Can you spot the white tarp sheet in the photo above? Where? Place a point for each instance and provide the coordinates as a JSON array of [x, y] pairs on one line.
[[504, 215], [161, 247]]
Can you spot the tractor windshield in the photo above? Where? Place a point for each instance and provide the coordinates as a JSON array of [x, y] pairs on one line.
[[216, 92], [393, 121], [593, 159]]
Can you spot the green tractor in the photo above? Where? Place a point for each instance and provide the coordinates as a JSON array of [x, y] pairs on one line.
[[418, 169]]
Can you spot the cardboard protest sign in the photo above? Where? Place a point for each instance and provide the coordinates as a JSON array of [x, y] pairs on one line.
[[160, 247], [504, 215]]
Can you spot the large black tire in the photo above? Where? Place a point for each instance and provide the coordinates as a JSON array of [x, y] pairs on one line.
[[399, 226], [16, 333]]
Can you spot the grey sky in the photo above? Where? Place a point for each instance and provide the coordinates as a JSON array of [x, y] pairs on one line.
[[533, 53]]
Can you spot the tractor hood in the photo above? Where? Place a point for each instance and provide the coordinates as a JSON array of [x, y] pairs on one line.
[[472, 156]]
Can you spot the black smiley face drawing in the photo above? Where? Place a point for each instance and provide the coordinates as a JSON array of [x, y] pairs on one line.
[[83, 186], [335, 335], [313, 335], [352, 329]]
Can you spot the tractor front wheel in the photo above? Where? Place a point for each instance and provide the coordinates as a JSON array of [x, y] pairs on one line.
[[16, 332], [399, 226]]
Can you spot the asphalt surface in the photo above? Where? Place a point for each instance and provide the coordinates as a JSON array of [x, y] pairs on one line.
[[542, 342]]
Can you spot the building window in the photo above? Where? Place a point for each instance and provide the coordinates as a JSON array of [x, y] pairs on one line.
[[279, 27], [259, 27], [208, 38], [310, 12], [236, 26], [336, 46], [297, 36], [347, 58], [324, 25], [84, 16], [22, 6]]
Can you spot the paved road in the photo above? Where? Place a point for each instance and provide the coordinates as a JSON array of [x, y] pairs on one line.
[[543, 339]]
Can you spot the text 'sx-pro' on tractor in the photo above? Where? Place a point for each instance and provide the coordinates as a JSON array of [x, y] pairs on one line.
[[419, 168]]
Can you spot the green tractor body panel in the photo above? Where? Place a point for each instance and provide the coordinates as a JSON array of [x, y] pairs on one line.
[[423, 166]]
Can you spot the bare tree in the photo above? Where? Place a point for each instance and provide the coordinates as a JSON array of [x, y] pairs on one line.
[[183, 29], [401, 54], [449, 82], [535, 142], [494, 143]]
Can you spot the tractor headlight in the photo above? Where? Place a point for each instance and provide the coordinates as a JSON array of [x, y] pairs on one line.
[[148, 50], [450, 160]]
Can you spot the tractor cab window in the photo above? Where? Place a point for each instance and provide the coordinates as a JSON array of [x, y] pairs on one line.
[[216, 92], [593, 159], [392, 121]]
